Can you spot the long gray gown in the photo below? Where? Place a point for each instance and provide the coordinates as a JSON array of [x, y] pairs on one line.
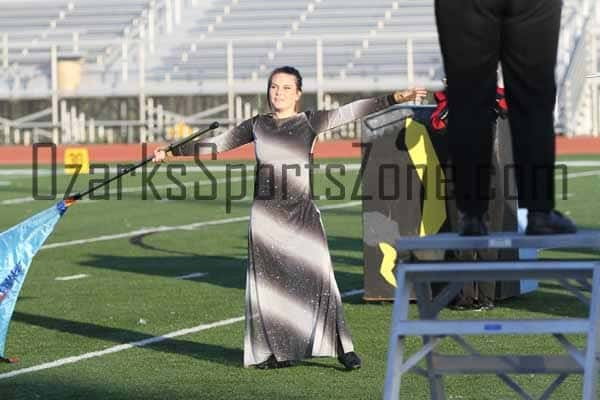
[[293, 305]]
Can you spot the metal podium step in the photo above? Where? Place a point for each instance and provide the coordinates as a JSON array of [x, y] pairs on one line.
[[465, 271], [501, 240], [492, 327], [577, 276]]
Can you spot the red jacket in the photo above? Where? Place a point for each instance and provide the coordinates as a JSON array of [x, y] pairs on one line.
[[439, 117]]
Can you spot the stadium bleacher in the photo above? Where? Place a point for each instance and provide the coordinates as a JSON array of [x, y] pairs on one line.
[[181, 47], [360, 38], [84, 27]]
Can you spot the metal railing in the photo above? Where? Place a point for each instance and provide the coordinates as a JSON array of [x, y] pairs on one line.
[[572, 87]]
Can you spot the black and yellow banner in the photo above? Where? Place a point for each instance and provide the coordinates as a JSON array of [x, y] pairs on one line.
[[406, 192]]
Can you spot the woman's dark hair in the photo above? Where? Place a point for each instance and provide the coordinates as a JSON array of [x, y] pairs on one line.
[[283, 70]]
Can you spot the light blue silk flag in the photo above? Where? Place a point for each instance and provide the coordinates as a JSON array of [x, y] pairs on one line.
[[18, 245]]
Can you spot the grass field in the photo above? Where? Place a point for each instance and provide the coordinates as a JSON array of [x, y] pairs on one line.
[[130, 294]]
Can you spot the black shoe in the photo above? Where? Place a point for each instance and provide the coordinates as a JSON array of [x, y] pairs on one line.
[[548, 223], [472, 225], [272, 363], [350, 360]]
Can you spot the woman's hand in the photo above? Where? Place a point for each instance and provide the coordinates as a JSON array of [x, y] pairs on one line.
[[414, 94], [160, 155]]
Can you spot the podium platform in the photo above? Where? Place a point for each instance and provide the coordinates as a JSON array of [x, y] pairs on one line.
[[580, 277]]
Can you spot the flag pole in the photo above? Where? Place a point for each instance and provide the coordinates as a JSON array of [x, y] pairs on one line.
[[195, 133]]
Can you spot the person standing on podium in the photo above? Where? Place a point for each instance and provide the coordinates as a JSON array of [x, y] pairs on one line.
[[476, 35]]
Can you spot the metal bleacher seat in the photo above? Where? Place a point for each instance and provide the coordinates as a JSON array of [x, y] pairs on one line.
[[362, 42]]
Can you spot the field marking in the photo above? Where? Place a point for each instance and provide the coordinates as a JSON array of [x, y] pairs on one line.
[[17, 200], [193, 275], [17, 173], [349, 167], [116, 349], [71, 278], [187, 227], [139, 343], [144, 231], [578, 174], [133, 189], [28, 172], [20, 173], [580, 163]]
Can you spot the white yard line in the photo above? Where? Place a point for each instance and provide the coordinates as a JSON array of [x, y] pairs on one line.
[[144, 231], [71, 278], [136, 189], [133, 189], [579, 163], [28, 172], [558, 175], [139, 343], [157, 229], [17, 200], [193, 275], [116, 349], [250, 176]]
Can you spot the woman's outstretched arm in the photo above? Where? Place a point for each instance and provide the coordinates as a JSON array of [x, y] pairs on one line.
[[322, 121], [236, 137]]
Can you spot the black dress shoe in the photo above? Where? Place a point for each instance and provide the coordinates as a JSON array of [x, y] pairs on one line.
[[272, 363], [548, 223], [472, 225], [350, 360]]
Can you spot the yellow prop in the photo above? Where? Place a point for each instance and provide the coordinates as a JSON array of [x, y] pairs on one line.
[[423, 156], [389, 262]]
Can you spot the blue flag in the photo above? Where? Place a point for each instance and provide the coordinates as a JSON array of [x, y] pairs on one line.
[[18, 245]]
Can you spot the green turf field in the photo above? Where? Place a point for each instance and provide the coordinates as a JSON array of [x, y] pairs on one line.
[[130, 294]]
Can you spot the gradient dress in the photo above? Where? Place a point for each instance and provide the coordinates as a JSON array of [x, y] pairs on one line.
[[293, 305]]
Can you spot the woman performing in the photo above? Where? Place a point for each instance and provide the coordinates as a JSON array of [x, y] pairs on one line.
[[293, 305]]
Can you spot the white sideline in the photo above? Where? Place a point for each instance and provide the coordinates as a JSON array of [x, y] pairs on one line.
[[144, 231], [133, 189], [577, 174], [71, 278], [157, 229], [28, 172], [139, 343], [193, 275], [351, 167]]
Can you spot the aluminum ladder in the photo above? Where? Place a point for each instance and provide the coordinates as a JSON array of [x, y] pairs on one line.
[[578, 277]]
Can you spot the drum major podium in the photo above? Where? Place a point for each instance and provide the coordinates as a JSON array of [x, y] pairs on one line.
[[579, 277]]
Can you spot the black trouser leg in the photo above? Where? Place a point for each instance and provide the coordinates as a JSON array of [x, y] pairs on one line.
[[528, 54], [469, 32]]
